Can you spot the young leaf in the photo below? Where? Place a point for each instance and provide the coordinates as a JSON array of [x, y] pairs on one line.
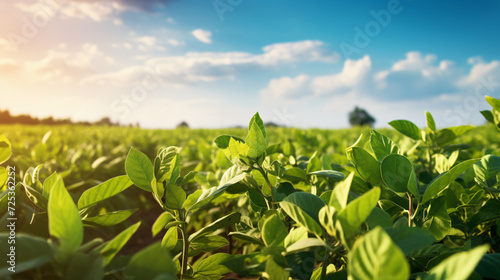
[[113, 246], [256, 140], [442, 181], [139, 169], [161, 222], [153, 261], [211, 267], [340, 193], [431, 125], [366, 165], [110, 218], [407, 128], [274, 231], [495, 103], [276, 272], [356, 212], [5, 149], [174, 197], [438, 221], [375, 256], [102, 191], [487, 168], [220, 223], [50, 182], [396, 172], [301, 217], [64, 222], [382, 145], [410, 239], [170, 239], [459, 266]]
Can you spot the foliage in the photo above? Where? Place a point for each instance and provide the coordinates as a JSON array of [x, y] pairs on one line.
[[276, 203]]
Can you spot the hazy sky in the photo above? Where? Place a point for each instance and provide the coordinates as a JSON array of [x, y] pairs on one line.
[[216, 63]]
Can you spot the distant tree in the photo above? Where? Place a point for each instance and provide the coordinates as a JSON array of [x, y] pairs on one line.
[[183, 125], [360, 117]]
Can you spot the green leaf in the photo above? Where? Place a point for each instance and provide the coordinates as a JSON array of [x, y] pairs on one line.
[[64, 222], [305, 244], [341, 193], [336, 175], [151, 262], [209, 243], [309, 203], [50, 182], [375, 257], [276, 272], [214, 192], [438, 221], [382, 145], [488, 212], [256, 138], [295, 234], [170, 239], [103, 191], [110, 218], [357, 211], [458, 266], [5, 149], [487, 168], [379, 217], [274, 231], [161, 222], [301, 217], [30, 252], [246, 237], [407, 128], [174, 197], [219, 223], [139, 169], [314, 164], [442, 181], [494, 102], [489, 266], [431, 125], [295, 175], [231, 146], [257, 121], [451, 133], [211, 267], [488, 116], [37, 198], [410, 239], [84, 267], [396, 172], [114, 246], [366, 165]]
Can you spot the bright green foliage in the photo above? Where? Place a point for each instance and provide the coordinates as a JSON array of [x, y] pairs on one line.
[[274, 203], [375, 256], [64, 222]]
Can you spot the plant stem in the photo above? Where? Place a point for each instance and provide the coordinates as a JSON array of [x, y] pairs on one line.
[[410, 209], [185, 244], [325, 264], [264, 174]]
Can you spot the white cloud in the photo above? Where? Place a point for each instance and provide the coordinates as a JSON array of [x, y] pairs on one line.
[[148, 43], [4, 44], [210, 66], [415, 77], [204, 36], [96, 11]]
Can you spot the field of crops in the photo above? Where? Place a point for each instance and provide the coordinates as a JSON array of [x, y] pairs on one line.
[[275, 203]]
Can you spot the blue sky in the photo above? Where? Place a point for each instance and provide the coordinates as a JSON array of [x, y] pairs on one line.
[[215, 63]]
